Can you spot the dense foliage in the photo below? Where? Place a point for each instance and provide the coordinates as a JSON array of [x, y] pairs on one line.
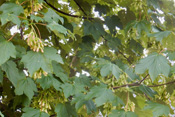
[[83, 58]]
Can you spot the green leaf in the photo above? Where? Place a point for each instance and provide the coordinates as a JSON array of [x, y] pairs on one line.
[[108, 67], [140, 26], [11, 17], [95, 29], [59, 72], [31, 112], [83, 80], [51, 16], [1, 76], [102, 9], [157, 109], [57, 28], [154, 3], [101, 93], [11, 71], [65, 110], [169, 42], [33, 61], [48, 81], [11, 8], [147, 91], [10, 13], [78, 100], [72, 89], [26, 86], [171, 55], [117, 101], [112, 22], [155, 63], [160, 35], [91, 108], [113, 43], [1, 114], [36, 18], [122, 113], [7, 50]]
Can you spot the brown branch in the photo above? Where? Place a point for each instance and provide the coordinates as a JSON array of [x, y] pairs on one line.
[[12, 36], [143, 79], [162, 84], [67, 14], [131, 84], [125, 57], [80, 7]]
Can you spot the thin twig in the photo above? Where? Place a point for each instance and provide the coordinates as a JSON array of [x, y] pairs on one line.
[[41, 24], [125, 57], [162, 84], [143, 79], [22, 17], [12, 36], [24, 2]]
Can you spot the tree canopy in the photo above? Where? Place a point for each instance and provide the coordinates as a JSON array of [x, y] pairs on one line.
[[82, 58]]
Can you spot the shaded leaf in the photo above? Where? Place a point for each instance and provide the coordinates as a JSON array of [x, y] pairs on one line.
[[102, 9], [113, 22], [95, 29]]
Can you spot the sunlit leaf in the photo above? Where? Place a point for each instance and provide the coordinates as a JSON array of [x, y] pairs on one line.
[[157, 109], [155, 63]]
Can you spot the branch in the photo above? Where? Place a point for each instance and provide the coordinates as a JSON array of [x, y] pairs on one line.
[[132, 84], [76, 16], [80, 7], [162, 84], [125, 57]]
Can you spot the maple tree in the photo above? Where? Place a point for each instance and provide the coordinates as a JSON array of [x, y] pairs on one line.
[[74, 58]]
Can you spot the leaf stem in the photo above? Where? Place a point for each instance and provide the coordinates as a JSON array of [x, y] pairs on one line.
[[38, 31], [12, 36]]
